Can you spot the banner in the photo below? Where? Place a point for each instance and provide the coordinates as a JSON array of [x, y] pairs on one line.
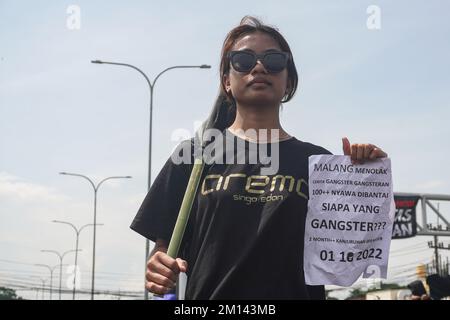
[[349, 222], [405, 225]]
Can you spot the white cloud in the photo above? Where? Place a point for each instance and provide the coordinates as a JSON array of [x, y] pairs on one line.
[[431, 185], [13, 187], [136, 199]]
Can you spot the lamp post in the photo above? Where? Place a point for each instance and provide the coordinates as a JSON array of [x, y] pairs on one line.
[[51, 275], [43, 286], [51, 269], [95, 187], [77, 232], [61, 257], [151, 85]]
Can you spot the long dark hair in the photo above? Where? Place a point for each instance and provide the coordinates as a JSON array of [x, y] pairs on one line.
[[224, 109]]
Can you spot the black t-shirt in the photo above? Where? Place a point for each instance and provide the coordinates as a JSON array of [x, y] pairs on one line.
[[245, 234]]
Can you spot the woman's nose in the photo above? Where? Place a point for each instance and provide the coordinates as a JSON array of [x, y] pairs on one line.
[[259, 67]]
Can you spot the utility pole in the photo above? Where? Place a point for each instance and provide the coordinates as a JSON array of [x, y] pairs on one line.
[[438, 246], [436, 254]]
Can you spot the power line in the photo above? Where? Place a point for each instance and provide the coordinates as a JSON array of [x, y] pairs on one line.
[[102, 278], [101, 272], [16, 262], [31, 286], [410, 253], [407, 247], [409, 263]]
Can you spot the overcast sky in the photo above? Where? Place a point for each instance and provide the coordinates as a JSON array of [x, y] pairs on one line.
[[58, 112]]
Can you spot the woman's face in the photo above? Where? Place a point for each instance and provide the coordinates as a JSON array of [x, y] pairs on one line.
[[271, 87]]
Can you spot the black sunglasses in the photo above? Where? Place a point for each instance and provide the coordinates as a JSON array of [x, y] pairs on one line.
[[245, 61]]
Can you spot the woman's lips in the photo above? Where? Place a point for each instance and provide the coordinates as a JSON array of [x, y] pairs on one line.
[[259, 85], [259, 82]]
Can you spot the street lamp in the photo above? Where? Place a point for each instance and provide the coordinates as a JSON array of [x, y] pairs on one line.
[[43, 286], [95, 187], [77, 231], [61, 257], [51, 275], [151, 85]]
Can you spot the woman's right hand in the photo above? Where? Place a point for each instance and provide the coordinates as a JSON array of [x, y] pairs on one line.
[[162, 272]]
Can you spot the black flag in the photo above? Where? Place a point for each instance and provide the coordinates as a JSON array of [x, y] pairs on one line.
[[405, 225]]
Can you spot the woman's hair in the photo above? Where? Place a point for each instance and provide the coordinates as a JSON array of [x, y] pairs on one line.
[[224, 111]]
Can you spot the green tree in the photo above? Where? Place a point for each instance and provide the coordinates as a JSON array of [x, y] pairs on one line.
[[8, 294]]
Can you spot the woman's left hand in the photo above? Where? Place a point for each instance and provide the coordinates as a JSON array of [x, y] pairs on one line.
[[361, 152]]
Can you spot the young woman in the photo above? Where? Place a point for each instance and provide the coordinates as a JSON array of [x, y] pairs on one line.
[[245, 235]]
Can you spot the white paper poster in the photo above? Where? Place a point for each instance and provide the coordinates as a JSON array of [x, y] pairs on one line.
[[349, 222]]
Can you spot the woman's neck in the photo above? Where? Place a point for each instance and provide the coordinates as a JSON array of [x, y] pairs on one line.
[[259, 118]]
